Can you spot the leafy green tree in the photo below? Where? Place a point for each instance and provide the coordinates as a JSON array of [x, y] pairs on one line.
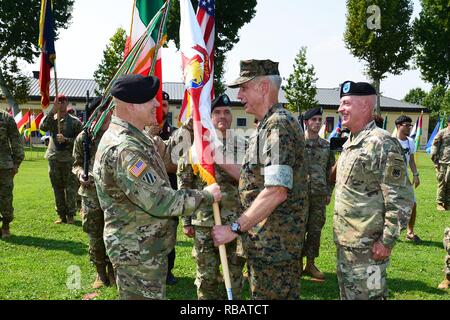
[[112, 58], [379, 32], [230, 16], [438, 100], [432, 36], [415, 96], [301, 87], [19, 34]]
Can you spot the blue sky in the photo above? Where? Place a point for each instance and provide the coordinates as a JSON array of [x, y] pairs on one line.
[[277, 32]]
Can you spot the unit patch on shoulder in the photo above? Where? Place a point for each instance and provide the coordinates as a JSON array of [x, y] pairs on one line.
[[137, 168], [149, 178]]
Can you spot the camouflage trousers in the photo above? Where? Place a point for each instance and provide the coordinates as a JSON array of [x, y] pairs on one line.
[[143, 281], [64, 187], [93, 224], [443, 184], [359, 276], [274, 281], [209, 281], [316, 221], [6, 195], [447, 249]]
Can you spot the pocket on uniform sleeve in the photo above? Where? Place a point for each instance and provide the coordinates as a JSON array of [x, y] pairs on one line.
[[395, 171]]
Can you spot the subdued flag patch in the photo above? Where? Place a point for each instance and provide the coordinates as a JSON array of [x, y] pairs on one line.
[[149, 178], [137, 168]]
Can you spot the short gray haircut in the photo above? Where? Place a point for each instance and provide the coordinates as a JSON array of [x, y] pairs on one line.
[[276, 80]]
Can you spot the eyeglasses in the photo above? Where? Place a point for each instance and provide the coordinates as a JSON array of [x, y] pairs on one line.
[[408, 125]]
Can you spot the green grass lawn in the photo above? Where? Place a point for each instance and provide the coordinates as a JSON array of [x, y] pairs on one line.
[[36, 262]]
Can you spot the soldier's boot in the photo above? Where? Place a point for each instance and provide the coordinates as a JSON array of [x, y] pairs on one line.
[[111, 275], [445, 284], [5, 231], [70, 220], [440, 207], [312, 270], [102, 278]]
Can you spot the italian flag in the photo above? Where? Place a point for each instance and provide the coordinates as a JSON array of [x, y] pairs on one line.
[[419, 132], [143, 13]]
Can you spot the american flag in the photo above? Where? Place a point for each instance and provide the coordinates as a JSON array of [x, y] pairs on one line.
[[138, 168], [206, 12]]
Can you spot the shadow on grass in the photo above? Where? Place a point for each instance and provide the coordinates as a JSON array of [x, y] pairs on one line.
[[425, 243], [184, 243], [76, 248], [403, 285], [326, 290]]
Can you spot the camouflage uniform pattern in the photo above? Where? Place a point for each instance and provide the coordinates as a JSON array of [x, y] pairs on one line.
[[11, 156], [276, 242], [320, 159], [135, 194], [373, 201], [91, 213], [60, 162], [447, 250], [205, 253], [440, 153]]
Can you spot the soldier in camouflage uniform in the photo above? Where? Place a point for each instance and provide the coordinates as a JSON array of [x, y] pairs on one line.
[[440, 155], [373, 197], [273, 184], [60, 158], [11, 156], [91, 213], [199, 225], [445, 284], [135, 194], [320, 160]]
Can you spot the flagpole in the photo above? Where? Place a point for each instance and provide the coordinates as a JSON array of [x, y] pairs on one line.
[[58, 117], [223, 254]]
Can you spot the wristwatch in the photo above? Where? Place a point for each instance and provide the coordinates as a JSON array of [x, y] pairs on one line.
[[236, 228]]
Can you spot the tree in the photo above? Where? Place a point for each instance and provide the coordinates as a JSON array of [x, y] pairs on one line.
[[112, 58], [379, 32], [230, 16], [431, 36], [19, 34], [415, 96], [438, 100], [301, 87]]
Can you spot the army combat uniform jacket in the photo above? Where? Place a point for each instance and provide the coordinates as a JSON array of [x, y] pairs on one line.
[[11, 149], [440, 149], [320, 161], [373, 195], [135, 194]]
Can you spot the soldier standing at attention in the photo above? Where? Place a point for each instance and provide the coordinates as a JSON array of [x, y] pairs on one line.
[[200, 224], [273, 185], [135, 193], [445, 284], [11, 156], [440, 155], [60, 158], [373, 197], [91, 213], [320, 161]]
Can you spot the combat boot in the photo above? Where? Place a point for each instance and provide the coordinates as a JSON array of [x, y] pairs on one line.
[[102, 278], [440, 207], [313, 271], [5, 231], [111, 275], [445, 284], [70, 220]]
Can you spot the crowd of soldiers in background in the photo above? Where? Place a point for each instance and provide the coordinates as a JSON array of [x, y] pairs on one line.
[[134, 191]]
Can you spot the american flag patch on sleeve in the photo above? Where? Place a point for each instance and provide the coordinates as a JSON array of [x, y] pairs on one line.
[[137, 168]]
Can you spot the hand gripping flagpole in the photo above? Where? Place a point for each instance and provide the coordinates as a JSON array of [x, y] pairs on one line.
[[223, 254]]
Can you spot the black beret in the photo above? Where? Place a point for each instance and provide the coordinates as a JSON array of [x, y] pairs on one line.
[[135, 88], [350, 88], [312, 112], [221, 101], [165, 96]]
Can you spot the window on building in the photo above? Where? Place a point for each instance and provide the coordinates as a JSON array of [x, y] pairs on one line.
[[241, 122]]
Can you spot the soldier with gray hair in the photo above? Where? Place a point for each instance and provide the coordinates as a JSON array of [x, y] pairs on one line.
[[272, 187], [373, 197]]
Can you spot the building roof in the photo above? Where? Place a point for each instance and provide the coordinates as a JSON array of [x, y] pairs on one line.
[[328, 98]]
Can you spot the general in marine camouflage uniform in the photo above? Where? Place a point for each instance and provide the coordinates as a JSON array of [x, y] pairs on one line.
[[440, 155], [91, 213], [373, 197], [11, 156], [272, 186], [199, 225], [445, 284], [135, 194], [320, 161], [60, 158]]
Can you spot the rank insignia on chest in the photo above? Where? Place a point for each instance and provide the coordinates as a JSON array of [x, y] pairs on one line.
[[149, 178], [396, 173], [137, 168]]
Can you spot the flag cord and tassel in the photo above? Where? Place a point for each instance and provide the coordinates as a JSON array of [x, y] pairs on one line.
[[160, 41]]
